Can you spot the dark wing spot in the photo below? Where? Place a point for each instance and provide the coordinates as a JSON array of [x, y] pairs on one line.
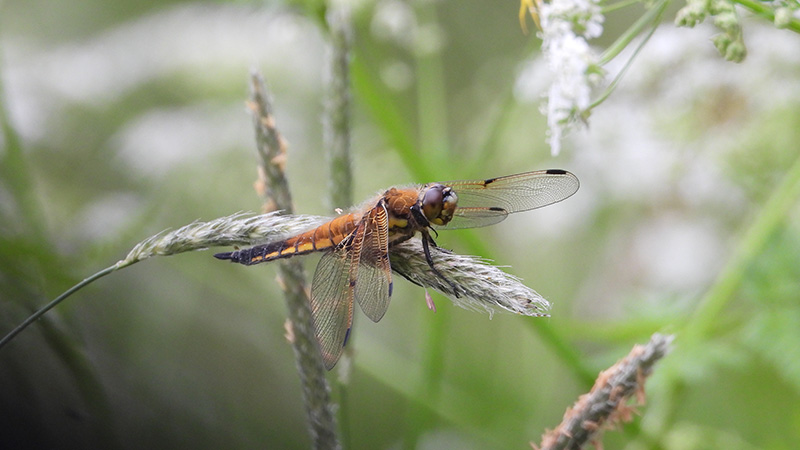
[[346, 337], [489, 181], [556, 171], [352, 283], [496, 208]]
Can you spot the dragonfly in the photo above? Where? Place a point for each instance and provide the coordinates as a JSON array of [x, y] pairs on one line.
[[355, 266]]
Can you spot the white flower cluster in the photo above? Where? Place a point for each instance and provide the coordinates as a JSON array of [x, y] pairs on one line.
[[566, 27]]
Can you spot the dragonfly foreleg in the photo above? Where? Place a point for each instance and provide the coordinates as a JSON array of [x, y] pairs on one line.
[[426, 241]]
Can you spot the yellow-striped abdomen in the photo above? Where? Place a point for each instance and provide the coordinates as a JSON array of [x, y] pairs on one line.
[[323, 237]]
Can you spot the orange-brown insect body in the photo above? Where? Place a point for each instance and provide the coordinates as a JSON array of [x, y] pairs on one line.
[[402, 225], [355, 266]]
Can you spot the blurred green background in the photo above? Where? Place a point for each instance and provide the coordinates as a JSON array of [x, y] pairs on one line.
[[122, 119]]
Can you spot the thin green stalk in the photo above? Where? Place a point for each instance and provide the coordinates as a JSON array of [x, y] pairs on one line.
[[499, 120], [391, 120], [336, 119], [764, 10], [651, 17], [238, 229], [423, 412], [336, 142], [553, 338], [617, 331], [658, 12], [396, 128], [316, 393], [619, 5], [18, 179], [17, 175], [431, 89], [769, 219], [43, 310], [564, 350], [433, 148], [73, 357]]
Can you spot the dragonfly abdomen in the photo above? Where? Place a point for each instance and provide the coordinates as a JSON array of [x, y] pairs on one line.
[[321, 238]]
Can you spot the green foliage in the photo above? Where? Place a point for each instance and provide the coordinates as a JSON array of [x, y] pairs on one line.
[[127, 118]]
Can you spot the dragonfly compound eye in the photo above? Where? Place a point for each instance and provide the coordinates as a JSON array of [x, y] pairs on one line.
[[438, 204], [432, 202], [449, 206]]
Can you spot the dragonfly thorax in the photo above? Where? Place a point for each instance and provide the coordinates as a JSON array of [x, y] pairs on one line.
[[438, 203]]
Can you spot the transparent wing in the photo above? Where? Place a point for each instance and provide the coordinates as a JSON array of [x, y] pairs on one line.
[[332, 294], [374, 281], [486, 202], [358, 268]]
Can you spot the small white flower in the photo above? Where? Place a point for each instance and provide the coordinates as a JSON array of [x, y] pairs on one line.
[[566, 26]]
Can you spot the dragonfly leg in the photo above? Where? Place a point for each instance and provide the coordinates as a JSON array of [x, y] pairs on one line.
[[426, 238]]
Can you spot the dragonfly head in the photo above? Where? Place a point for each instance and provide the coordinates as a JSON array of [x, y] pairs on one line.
[[438, 204]]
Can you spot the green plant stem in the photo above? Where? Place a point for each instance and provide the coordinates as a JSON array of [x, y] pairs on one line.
[[764, 10], [19, 181], [505, 110], [336, 118], [700, 325], [431, 92], [658, 12], [237, 229], [432, 151], [336, 142], [17, 175], [605, 9], [392, 122], [651, 18], [397, 131], [43, 310], [73, 357], [769, 219], [316, 393], [564, 350], [428, 392]]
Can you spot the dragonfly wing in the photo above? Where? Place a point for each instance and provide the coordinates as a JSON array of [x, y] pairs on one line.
[[486, 202], [374, 282], [332, 294]]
